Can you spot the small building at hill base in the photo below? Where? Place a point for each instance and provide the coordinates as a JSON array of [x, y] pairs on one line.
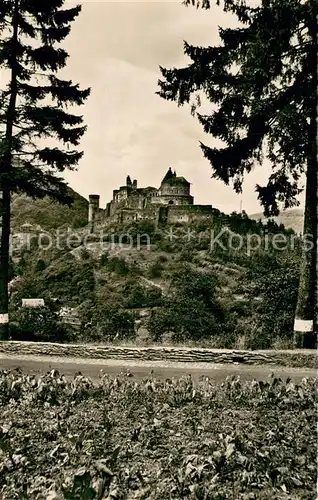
[[33, 303]]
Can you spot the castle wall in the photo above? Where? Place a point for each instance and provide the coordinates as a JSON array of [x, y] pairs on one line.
[[189, 214], [135, 215], [167, 189], [178, 200], [130, 198], [164, 214]]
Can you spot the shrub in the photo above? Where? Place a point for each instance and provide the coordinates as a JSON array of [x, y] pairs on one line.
[[186, 254], [118, 265], [142, 232], [104, 259], [111, 323], [154, 297], [39, 324], [155, 270], [85, 255], [40, 265], [167, 246], [192, 311], [160, 323], [137, 296], [162, 259]]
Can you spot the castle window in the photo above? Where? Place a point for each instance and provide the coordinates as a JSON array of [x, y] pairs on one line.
[[171, 202]]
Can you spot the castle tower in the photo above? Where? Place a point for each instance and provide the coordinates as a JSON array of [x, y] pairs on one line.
[[168, 175], [135, 183], [128, 181], [174, 190], [93, 209]]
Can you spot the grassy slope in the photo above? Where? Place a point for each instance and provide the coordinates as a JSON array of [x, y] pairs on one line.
[[47, 213], [72, 276]]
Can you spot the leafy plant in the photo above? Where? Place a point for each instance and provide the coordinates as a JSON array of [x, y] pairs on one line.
[[151, 438]]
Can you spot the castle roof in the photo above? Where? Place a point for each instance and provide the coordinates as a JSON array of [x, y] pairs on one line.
[[176, 181], [168, 175], [172, 179]]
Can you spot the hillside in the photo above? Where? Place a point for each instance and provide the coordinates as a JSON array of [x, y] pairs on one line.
[[293, 219], [47, 213], [171, 285]]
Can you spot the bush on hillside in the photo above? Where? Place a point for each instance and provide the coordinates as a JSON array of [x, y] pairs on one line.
[[104, 259], [139, 296], [186, 254], [107, 323], [162, 259], [192, 311], [155, 270], [136, 295], [118, 265], [275, 314], [68, 279], [38, 324], [142, 233]]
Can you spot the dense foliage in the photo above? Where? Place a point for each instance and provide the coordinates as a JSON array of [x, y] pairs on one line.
[[192, 310], [104, 321], [261, 82], [35, 107], [69, 280], [48, 214], [258, 90], [39, 324], [185, 291], [154, 439]]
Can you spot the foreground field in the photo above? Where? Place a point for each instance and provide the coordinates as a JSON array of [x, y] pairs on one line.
[[127, 439]]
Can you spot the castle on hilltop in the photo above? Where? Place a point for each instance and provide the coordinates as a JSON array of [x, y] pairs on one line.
[[170, 203]]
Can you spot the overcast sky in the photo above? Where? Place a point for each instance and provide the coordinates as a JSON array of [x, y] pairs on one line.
[[116, 48]]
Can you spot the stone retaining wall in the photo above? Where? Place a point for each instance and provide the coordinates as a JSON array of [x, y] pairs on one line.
[[292, 358]]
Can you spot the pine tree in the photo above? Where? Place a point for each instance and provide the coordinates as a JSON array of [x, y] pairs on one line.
[[261, 82], [33, 109]]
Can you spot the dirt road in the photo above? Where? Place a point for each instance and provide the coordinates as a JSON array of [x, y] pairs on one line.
[[139, 369]]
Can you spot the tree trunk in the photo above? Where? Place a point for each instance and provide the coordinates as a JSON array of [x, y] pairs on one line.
[[306, 321], [305, 329], [5, 168], [4, 264]]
